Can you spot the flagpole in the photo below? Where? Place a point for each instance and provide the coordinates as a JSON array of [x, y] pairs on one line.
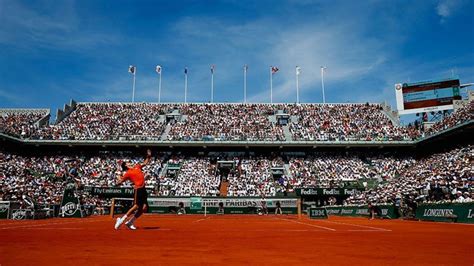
[[271, 85], [212, 86], [133, 90], [297, 87], [245, 83], [185, 86], [322, 82], [159, 89]]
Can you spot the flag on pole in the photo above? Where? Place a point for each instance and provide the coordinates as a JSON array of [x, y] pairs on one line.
[[298, 70], [212, 68], [131, 69], [158, 69], [274, 69], [185, 70]]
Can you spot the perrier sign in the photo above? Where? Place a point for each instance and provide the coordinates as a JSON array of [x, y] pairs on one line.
[[70, 205]]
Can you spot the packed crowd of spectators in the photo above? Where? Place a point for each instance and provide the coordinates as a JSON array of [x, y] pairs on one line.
[[44, 178], [40, 178], [254, 178], [108, 121], [463, 114], [224, 122], [196, 177], [345, 122], [20, 123], [323, 170], [443, 177], [236, 122]]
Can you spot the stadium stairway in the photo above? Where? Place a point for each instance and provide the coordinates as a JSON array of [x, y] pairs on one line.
[[387, 111], [164, 136], [286, 131], [287, 170], [224, 188]]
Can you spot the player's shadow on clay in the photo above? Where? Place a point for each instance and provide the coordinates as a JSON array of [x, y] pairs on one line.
[[151, 228]]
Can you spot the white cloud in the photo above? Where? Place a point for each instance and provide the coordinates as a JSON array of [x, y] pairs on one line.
[[264, 42], [55, 26], [446, 8], [345, 54], [10, 97]]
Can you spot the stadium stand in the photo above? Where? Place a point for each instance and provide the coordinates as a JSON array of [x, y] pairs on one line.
[[197, 177], [345, 122], [461, 115], [224, 122], [435, 178], [108, 121], [441, 177], [446, 176], [329, 170], [253, 178], [238, 122], [21, 122]]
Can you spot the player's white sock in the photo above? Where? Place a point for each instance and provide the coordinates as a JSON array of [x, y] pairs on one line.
[[124, 217]]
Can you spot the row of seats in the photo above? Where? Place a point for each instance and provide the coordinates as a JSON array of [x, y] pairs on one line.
[[437, 177], [223, 122]]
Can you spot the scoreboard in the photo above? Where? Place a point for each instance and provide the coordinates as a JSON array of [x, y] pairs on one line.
[[427, 96]]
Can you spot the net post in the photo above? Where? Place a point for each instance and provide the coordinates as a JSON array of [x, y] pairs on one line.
[[112, 207], [205, 208], [298, 205]]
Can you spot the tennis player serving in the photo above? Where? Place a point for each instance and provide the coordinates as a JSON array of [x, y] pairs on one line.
[[136, 176]]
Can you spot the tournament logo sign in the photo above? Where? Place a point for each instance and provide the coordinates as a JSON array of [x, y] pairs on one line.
[[4, 207], [70, 205], [69, 208], [19, 215]]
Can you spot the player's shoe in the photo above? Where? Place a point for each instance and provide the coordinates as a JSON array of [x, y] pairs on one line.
[[131, 226], [118, 223]]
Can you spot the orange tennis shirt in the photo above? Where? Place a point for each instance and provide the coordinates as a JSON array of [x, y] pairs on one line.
[[136, 176]]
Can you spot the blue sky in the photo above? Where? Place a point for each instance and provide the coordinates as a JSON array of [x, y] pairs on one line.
[[52, 51]]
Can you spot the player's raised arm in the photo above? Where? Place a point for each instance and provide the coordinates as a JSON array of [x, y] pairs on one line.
[[147, 159], [120, 180]]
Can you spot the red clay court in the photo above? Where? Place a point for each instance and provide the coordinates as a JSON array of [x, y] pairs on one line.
[[235, 239]]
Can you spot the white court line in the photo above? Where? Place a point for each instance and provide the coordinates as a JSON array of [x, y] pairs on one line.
[[200, 220], [61, 228], [38, 225], [282, 230], [77, 228], [45, 221], [361, 226], [364, 230], [25, 222], [313, 225]]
